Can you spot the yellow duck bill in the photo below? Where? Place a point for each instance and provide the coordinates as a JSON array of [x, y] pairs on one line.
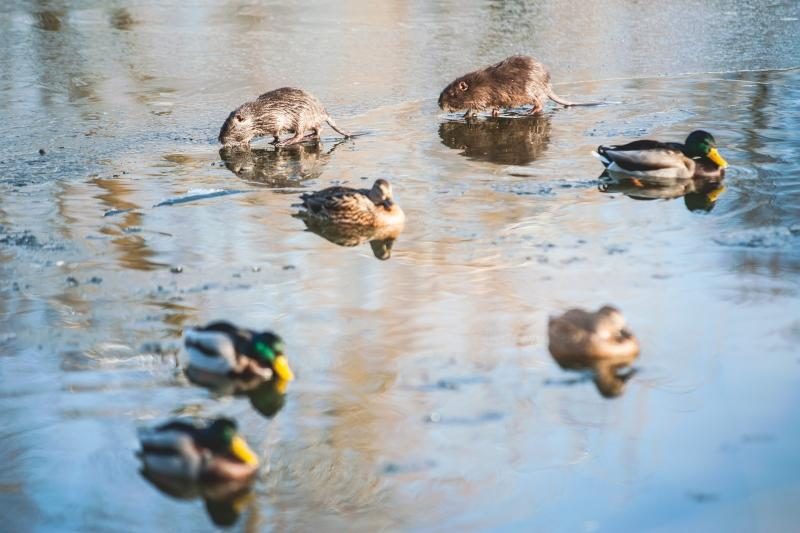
[[242, 451], [281, 367], [718, 160]]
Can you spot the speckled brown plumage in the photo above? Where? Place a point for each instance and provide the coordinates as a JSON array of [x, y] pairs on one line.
[[361, 207], [580, 334]]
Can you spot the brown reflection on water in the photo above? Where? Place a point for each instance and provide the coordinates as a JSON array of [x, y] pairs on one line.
[[699, 194], [502, 140], [381, 240], [278, 167], [132, 249], [121, 19]]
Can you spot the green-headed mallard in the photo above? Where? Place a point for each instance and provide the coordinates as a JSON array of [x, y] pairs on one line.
[[358, 207], [197, 449], [697, 157], [224, 349], [602, 335]]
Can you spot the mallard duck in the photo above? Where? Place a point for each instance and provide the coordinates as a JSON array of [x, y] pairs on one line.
[[697, 157], [358, 207], [602, 335], [223, 349], [197, 450]]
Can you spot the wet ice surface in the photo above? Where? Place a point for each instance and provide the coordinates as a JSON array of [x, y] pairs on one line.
[[426, 397]]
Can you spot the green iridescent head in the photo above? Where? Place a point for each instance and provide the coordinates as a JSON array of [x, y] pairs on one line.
[[700, 143], [268, 349]]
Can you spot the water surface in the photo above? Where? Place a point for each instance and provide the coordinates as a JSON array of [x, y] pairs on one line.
[[426, 398]]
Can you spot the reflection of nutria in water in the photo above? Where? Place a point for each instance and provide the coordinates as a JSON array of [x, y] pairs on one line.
[[503, 140], [284, 110], [699, 194], [513, 82], [276, 168]]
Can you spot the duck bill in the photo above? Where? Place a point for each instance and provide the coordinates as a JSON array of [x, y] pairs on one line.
[[281, 385], [242, 451], [281, 367], [713, 195], [718, 160]]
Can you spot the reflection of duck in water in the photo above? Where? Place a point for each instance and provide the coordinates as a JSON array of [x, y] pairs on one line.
[[279, 167], [222, 349], [380, 239], [503, 140], [697, 157], [699, 194], [191, 457], [349, 217], [224, 502], [600, 342], [266, 396]]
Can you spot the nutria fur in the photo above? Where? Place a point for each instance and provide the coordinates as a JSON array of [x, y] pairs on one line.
[[274, 113], [513, 82]]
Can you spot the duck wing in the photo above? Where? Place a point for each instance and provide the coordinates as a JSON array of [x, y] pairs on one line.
[[316, 201], [643, 155], [211, 350], [341, 205], [170, 448]]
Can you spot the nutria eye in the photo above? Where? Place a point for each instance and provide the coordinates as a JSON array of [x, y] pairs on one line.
[[463, 86]]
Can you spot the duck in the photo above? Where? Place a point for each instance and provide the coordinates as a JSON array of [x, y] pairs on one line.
[[197, 450], [696, 157], [592, 336], [223, 349], [372, 207]]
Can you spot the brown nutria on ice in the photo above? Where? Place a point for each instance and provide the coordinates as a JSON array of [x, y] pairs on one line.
[[274, 113], [513, 82]]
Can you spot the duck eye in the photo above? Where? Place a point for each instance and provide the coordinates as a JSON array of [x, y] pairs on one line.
[[239, 118]]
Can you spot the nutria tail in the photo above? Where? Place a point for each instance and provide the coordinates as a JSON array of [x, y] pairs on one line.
[[567, 103], [332, 124]]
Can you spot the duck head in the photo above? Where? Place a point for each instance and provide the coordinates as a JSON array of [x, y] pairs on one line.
[[700, 143], [268, 349], [221, 437], [381, 193]]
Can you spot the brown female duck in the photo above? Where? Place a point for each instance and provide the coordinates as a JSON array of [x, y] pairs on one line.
[[601, 335], [372, 207]]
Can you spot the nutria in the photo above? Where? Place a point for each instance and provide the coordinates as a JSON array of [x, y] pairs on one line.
[[275, 112], [513, 82]]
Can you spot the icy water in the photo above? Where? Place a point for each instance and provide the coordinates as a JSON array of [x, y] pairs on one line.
[[425, 397]]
